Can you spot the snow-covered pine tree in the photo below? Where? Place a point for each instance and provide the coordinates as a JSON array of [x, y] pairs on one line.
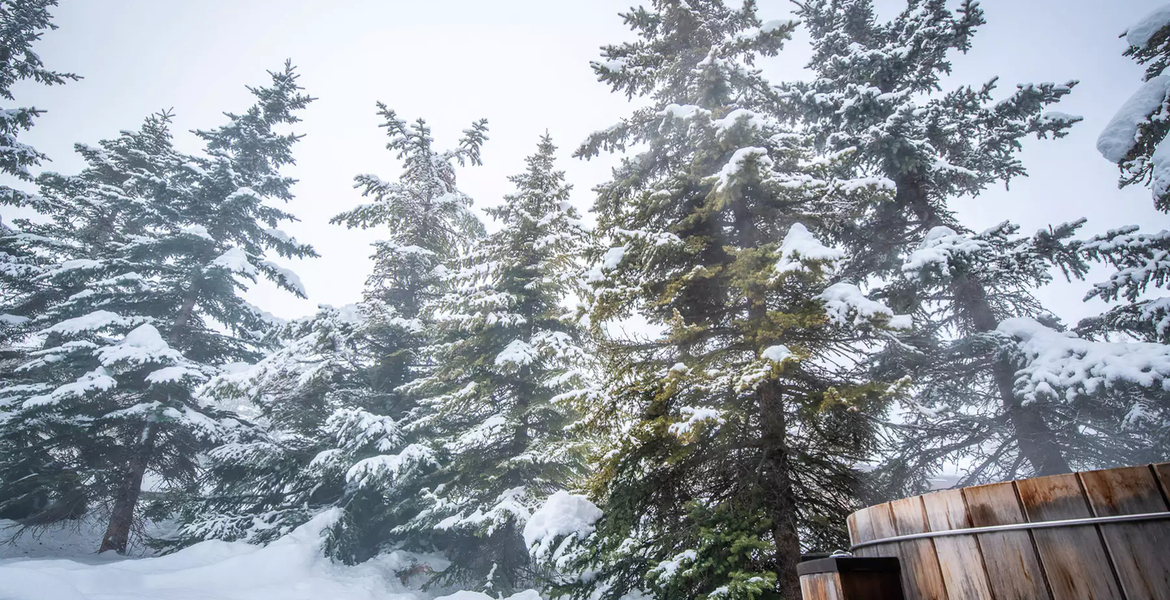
[[429, 223], [156, 307], [510, 364], [260, 486], [343, 435], [22, 22], [1133, 139], [23, 258], [738, 430], [876, 104]]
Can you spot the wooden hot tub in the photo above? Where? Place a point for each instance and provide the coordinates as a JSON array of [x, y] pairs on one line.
[[1101, 535]]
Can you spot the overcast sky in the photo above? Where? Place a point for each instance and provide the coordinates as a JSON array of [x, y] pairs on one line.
[[523, 65]]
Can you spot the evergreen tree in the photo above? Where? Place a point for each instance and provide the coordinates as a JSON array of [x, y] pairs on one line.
[[161, 258], [737, 427], [1133, 138], [876, 102], [343, 434], [509, 364], [22, 22]]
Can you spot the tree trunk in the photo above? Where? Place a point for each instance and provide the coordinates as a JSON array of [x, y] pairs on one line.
[[185, 311], [1034, 437], [776, 476], [1032, 433], [122, 517]]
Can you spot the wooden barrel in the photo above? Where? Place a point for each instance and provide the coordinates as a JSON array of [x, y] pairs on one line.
[[1122, 552]]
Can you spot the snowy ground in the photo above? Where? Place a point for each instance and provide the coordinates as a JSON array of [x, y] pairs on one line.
[[60, 564]]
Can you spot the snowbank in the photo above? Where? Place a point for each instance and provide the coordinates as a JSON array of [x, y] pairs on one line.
[[291, 568]]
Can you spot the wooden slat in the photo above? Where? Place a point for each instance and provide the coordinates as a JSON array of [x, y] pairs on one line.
[[821, 586], [1074, 559], [1010, 556], [924, 580], [959, 557], [1140, 550], [861, 529], [882, 523], [1162, 470]]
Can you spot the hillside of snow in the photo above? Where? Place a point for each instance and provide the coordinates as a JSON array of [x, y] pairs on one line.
[[60, 564]]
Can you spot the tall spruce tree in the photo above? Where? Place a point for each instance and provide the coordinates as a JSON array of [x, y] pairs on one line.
[[22, 258], [510, 364], [22, 23], [876, 99], [344, 434], [737, 428], [160, 252], [1133, 139]]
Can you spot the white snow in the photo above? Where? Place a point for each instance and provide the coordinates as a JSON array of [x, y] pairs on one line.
[[290, 278], [751, 119], [464, 595], [736, 164], [9, 319], [940, 245], [1120, 134], [387, 467], [846, 304], [1140, 33], [1160, 173], [517, 352], [1060, 364], [667, 569], [563, 514], [235, 260], [143, 344], [174, 373], [197, 231], [694, 417], [776, 353], [97, 379], [683, 111], [800, 245], [291, 568], [94, 321]]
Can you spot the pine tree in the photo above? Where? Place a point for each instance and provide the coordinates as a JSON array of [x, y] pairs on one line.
[[261, 485], [1133, 138], [343, 434], [737, 428], [22, 23], [877, 103], [510, 363], [155, 304]]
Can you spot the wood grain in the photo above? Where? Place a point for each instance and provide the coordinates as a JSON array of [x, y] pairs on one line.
[[959, 556], [1013, 567], [924, 579], [1074, 559], [1140, 550], [821, 586]]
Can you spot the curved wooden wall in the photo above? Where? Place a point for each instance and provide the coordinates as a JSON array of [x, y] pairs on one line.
[[1107, 561]]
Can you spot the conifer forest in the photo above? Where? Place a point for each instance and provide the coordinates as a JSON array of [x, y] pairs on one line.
[[773, 310]]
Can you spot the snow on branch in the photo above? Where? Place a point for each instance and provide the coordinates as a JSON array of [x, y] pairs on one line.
[[1061, 365]]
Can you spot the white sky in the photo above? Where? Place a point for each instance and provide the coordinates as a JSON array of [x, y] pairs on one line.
[[524, 65]]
